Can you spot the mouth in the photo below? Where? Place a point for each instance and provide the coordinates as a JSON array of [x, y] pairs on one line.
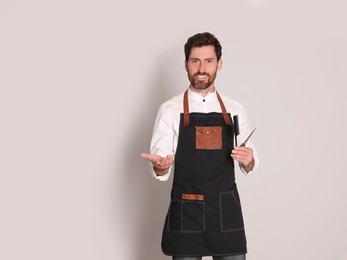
[[201, 76]]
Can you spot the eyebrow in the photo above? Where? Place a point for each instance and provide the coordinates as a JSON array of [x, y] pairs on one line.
[[192, 58]]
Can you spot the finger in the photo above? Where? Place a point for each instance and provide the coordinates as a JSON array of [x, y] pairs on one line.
[[145, 155], [162, 166], [168, 158], [243, 149], [238, 157], [239, 153], [246, 152], [243, 160], [154, 159], [242, 153], [241, 157], [166, 162]]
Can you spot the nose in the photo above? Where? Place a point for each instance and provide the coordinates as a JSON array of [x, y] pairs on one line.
[[201, 67]]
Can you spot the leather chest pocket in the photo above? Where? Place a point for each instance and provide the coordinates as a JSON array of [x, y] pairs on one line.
[[230, 211], [186, 216], [208, 137]]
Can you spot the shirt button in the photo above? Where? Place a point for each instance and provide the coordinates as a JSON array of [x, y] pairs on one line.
[[203, 100]]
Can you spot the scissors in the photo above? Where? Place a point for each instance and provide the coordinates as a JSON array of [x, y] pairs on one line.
[[245, 141]]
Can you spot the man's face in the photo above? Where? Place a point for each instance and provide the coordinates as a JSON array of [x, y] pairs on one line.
[[202, 67]]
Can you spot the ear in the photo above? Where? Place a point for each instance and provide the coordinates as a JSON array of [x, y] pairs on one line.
[[220, 64], [186, 65]]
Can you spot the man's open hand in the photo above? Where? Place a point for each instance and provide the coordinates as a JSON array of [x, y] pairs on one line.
[[161, 165]]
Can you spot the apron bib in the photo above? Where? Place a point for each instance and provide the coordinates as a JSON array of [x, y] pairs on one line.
[[204, 216]]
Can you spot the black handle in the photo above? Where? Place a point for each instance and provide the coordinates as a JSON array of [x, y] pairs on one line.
[[236, 128]]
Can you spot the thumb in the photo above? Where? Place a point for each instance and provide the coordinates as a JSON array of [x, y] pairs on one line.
[[145, 155]]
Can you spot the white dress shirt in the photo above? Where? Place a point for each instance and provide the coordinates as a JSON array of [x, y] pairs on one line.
[[166, 127]]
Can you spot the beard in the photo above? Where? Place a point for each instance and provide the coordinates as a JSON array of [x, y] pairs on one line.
[[202, 84]]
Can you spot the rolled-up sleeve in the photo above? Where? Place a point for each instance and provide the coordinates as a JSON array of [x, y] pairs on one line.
[[245, 130], [162, 139]]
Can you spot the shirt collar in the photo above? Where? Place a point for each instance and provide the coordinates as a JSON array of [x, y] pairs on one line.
[[198, 97]]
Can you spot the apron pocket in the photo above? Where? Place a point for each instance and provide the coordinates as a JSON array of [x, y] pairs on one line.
[[230, 211], [208, 137], [187, 216]]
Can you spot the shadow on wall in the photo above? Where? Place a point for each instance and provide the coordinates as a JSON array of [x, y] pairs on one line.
[[150, 197]]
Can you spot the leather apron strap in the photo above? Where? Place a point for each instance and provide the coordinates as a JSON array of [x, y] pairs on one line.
[[227, 119]]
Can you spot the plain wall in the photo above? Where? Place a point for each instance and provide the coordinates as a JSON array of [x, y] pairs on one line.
[[80, 85]]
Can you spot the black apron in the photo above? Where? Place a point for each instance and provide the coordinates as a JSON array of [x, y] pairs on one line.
[[204, 217]]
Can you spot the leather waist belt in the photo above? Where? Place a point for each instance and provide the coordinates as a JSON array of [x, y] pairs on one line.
[[192, 197]]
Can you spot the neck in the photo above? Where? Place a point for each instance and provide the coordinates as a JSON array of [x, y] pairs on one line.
[[203, 92]]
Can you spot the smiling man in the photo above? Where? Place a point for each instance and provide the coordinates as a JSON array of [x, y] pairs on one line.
[[194, 134], [202, 66]]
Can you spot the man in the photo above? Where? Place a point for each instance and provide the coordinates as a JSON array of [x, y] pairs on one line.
[[195, 131]]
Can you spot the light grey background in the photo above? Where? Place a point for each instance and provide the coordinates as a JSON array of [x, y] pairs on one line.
[[81, 82]]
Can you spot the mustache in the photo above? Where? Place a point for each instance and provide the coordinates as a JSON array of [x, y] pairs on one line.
[[201, 74]]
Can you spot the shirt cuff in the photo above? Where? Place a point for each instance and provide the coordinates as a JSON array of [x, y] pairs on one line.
[[256, 165], [162, 177]]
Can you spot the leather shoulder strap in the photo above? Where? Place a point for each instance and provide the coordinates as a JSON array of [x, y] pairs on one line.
[[185, 109], [224, 112], [227, 119]]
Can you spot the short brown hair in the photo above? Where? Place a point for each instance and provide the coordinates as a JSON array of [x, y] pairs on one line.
[[203, 39]]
